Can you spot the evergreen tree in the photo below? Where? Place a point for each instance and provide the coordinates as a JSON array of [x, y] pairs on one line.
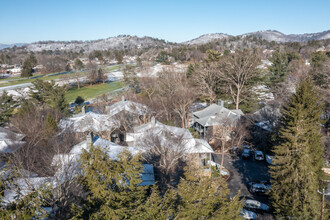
[[297, 174], [48, 93], [50, 126], [279, 67], [26, 205], [27, 68], [113, 186], [213, 56], [78, 65], [205, 198], [7, 106]]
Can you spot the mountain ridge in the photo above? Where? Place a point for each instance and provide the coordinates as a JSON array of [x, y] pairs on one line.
[[122, 42]]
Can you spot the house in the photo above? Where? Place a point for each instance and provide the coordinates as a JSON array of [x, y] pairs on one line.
[[127, 114], [214, 115], [267, 117], [87, 122], [68, 165], [155, 132], [126, 106]]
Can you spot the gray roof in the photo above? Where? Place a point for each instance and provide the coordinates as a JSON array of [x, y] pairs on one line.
[[126, 105], [216, 114], [161, 131], [208, 111]]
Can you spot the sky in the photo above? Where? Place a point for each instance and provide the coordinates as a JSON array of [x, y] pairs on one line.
[[26, 21]]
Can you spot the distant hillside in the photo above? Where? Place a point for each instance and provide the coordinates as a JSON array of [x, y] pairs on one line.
[[269, 35], [273, 35], [121, 42], [207, 38], [3, 46], [127, 42]]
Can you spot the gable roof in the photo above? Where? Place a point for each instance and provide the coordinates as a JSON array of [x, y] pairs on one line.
[[70, 161], [168, 136], [216, 114], [126, 105], [89, 121]]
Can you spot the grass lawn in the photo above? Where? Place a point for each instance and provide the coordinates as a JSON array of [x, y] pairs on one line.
[[112, 68], [92, 91], [26, 80]]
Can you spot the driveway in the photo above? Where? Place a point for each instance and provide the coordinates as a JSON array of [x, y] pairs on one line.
[[243, 172]]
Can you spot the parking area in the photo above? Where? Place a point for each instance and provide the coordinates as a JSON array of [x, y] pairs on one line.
[[243, 171]]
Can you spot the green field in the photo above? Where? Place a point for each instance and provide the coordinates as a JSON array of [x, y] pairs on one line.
[[92, 91], [112, 68], [26, 80], [19, 80]]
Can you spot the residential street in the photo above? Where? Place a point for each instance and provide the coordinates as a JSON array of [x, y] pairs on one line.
[[241, 173]]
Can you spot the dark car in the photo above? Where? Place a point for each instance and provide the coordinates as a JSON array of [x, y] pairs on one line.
[[259, 187], [254, 205], [246, 154]]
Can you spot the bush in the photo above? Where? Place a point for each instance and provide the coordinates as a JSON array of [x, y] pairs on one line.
[[79, 100]]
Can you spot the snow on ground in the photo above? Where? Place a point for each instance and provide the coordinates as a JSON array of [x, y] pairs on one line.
[[263, 92], [154, 70]]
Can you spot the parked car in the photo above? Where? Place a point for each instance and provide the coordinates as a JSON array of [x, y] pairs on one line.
[[246, 153], [259, 187], [270, 159], [246, 214], [255, 205], [258, 155]]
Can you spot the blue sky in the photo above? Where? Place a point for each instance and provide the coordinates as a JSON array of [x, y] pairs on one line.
[[34, 20]]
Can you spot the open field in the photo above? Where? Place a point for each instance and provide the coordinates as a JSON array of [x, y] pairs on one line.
[[92, 91], [26, 80]]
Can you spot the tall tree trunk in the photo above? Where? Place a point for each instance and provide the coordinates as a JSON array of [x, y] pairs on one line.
[[222, 155], [237, 98]]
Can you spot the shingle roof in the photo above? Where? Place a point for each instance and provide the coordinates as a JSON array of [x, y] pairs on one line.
[[166, 135], [126, 105], [215, 115], [89, 121]]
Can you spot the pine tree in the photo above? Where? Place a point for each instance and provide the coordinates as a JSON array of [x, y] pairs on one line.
[[297, 174], [7, 106], [113, 186], [279, 67], [27, 68], [205, 198], [26, 205]]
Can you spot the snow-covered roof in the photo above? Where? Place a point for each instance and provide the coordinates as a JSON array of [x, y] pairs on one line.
[[216, 114], [113, 150], [167, 136], [264, 125], [23, 186], [126, 105], [89, 121], [68, 163], [10, 141]]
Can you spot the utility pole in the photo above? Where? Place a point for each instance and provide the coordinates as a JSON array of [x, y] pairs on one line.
[[323, 194]]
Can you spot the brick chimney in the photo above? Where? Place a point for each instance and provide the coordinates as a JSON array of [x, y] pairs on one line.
[[153, 121], [89, 138]]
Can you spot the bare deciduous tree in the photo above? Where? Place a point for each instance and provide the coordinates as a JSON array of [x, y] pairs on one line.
[[167, 156], [238, 71], [222, 135]]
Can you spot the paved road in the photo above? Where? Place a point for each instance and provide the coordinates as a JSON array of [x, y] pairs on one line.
[[243, 172]]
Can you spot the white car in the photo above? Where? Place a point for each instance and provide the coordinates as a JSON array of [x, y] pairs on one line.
[[248, 214], [258, 155], [255, 205], [270, 159]]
